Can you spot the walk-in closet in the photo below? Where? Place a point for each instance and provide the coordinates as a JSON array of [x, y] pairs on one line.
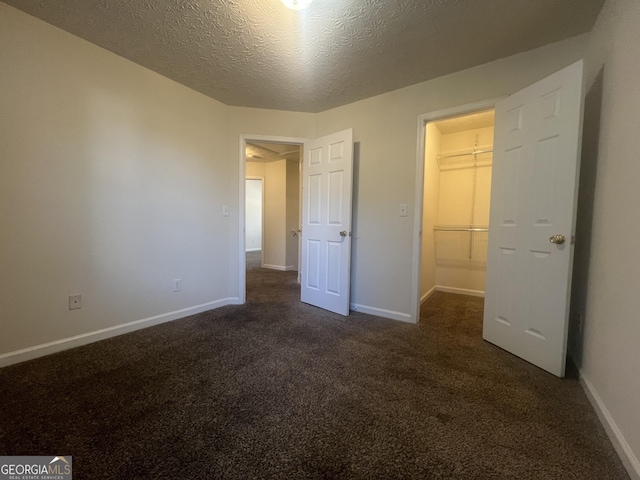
[[457, 191]]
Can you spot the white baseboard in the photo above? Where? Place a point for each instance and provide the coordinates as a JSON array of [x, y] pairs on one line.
[[460, 291], [629, 459], [281, 268], [36, 351], [381, 312], [426, 296], [253, 249]]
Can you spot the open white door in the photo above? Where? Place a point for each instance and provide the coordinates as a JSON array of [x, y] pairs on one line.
[[533, 202], [327, 173]]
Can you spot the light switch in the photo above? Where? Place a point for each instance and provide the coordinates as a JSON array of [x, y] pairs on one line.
[[225, 210], [403, 209]]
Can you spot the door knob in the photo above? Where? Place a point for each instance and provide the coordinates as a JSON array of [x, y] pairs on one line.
[[557, 239], [343, 233]]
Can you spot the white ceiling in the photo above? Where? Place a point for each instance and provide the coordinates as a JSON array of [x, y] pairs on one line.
[[257, 53]]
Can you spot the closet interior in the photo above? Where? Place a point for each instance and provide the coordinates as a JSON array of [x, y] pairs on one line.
[[457, 191]]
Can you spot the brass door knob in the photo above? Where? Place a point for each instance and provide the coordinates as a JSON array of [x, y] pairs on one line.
[[557, 239]]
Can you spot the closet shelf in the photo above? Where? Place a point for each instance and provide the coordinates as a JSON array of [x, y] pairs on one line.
[[462, 245], [461, 228], [479, 156]]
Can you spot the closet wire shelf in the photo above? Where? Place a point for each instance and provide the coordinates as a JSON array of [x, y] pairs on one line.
[[461, 245], [477, 156]]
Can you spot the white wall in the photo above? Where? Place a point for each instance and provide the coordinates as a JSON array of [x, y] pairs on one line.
[[274, 254], [606, 277], [385, 128], [453, 271], [112, 181], [253, 216], [430, 210]]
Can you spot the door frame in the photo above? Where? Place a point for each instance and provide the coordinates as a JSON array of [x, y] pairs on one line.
[[419, 189], [242, 160]]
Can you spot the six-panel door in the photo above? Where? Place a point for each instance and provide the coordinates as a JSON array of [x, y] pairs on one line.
[[326, 221], [535, 167]]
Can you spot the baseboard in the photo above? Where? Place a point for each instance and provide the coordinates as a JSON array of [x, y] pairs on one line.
[[280, 268], [426, 296], [629, 459], [460, 291], [30, 353], [253, 249], [381, 312]]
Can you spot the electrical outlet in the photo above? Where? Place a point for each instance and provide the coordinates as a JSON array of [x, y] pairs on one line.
[[177, 284], [75, 302]]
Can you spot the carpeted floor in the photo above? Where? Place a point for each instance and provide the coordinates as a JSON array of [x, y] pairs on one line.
[[279, 389]]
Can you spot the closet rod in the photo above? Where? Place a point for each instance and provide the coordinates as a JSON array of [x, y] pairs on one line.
[[461, 229], [478, 152]]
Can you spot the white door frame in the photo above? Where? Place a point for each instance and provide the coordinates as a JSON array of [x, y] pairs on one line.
[[419, 189], [242, 261]]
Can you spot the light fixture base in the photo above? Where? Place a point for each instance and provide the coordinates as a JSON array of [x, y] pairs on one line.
[[296, 4]]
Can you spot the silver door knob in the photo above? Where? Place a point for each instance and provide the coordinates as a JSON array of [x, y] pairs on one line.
[[557, 239], [343, 233]]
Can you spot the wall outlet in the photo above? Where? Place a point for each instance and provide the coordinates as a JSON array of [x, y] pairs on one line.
[[177, 284], [75, 302]]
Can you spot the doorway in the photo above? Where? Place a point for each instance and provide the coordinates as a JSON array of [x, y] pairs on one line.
[[533, 211], [324, 244], [272, 204], [457, 191], [254, 194], [275, 163], [459, 181]]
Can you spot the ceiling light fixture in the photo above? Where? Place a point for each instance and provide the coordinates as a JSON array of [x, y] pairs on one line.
[[297, 4]]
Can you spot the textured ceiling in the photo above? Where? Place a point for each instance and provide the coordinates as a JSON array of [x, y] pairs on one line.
[[257, 53]]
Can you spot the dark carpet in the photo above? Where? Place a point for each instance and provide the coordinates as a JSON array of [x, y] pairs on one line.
[[279, 389]]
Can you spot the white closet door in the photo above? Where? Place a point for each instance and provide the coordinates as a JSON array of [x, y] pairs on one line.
[[533, 200]]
